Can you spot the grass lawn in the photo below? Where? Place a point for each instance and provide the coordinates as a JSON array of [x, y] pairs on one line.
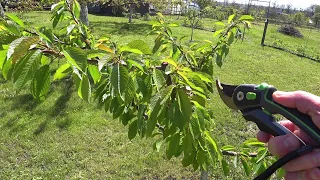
[[66, 138]]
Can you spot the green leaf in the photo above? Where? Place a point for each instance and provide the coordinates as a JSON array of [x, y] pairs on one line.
[[11, 27], [152, 121], [140, 45], [203, 76], [62, 71], [46, 34], [158, 144], [188, 159], [57, 18], [170, 61], [7, 69], [19, 47], [187, 143], [246, 18], [227, 148], [119, 78], [76, 8], [85, 88], [213, 144], [76, 57], [40, 84], [230, 37], [158, 78], [136, 64], [281, 173], [245, 165], [201, 157], [26, 68], [173, 25], [253, 142], [165, 94], [77, 79], [191, 84], [95, 73], [132, 130], [231, 17], [117, 112], [157, 43], [194, 128], [2, 57], [126, 117], [173, 144], [128, 49], [198, 83], [130, 91], [225, 167], [141, 113], [70, 28], [217, 33], [184, 104], [219, 59], [261, 155], [219, 23], [16, 19]]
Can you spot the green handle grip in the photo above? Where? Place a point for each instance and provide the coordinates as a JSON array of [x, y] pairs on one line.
[[303, 121]]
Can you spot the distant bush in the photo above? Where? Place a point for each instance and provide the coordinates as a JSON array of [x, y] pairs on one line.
[[146, 17], [290, 30]]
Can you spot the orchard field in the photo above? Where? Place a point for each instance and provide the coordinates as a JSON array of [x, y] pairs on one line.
[[67, 138]]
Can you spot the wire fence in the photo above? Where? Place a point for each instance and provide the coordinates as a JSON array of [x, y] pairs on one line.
[[300, 40]]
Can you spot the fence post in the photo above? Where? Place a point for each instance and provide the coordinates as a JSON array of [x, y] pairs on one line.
[[265, 31]]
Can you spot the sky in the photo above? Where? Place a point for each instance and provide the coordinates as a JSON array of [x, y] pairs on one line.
[[295, 3]]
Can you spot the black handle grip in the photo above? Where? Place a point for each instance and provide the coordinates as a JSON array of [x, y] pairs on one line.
[[265, 122]]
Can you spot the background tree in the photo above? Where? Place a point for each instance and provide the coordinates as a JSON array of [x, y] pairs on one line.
[[299, 18], [1, 11], [203, 3], [316, 16]]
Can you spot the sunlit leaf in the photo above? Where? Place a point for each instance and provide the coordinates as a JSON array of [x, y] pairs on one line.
[[40, 84]]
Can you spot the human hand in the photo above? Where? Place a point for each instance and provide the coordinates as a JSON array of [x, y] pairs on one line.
[[304, 167]]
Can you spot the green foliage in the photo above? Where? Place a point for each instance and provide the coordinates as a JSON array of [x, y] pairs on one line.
[[160, 95]]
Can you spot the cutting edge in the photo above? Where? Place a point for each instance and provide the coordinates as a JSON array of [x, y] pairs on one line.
[[226, 98]]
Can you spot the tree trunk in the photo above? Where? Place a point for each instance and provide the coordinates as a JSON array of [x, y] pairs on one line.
[[1, 11], [204, 175], [84, 13], [131, 6], [192, 33]]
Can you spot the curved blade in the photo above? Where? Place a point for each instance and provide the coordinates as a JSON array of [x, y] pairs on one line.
[[226, 92]]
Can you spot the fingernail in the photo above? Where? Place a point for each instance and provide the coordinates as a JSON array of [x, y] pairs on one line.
[[291, 142], [278, 93]]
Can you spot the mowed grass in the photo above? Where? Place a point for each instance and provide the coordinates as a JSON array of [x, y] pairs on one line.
[[66, 138]]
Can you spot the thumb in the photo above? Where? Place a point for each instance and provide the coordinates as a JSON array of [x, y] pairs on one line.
[[305, 102]]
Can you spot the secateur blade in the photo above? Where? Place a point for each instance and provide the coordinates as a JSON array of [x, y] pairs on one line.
[[226, 93]]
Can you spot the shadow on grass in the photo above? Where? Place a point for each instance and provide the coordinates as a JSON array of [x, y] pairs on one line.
[[25, 102], [58, 110], [25, 107], [122, 28]]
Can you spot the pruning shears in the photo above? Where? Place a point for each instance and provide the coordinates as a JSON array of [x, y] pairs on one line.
[[257, 105]]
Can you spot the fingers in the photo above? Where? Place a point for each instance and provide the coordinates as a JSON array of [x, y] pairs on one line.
[[264, 137], [305, 102], [311, 174], [308, 161], [282, 145]]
